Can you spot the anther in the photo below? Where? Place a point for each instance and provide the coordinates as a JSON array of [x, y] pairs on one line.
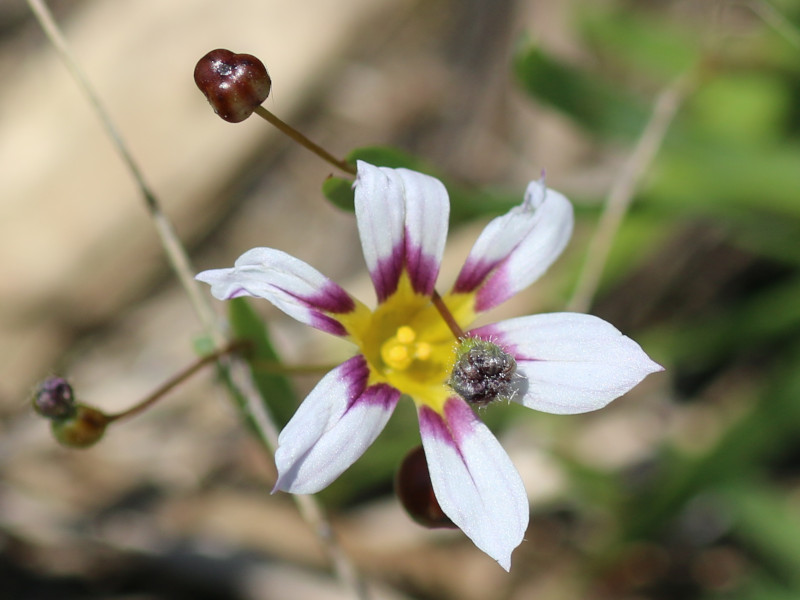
[[405, 335]]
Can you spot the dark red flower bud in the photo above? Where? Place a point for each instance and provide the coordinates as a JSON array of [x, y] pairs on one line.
[[54, 398], [81, 430], [234, 84], [413, 487]]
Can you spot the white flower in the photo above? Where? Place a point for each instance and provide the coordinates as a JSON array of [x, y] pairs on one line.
[[569, 363]]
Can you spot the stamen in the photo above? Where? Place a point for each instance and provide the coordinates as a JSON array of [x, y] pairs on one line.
[[398, 354], [423, 351], [400, 351], [406, 335]]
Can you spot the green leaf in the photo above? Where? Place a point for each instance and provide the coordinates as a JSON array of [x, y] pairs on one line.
[[465, 203], [339, 192], [385, 156], [702, 176], [274, 388], [640, 40], [594, 103], [769, 525]]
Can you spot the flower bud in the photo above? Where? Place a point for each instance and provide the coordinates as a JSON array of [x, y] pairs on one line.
[[234, 84], [54, 398], [82, 429], [483, 372], [413, 487]]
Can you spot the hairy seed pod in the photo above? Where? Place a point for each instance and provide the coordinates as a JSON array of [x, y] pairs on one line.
[[483, 372], [234, 84], [413, 487]]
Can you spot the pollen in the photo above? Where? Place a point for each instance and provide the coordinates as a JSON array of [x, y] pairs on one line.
[[402, 349], [406, 335], [423, 351]]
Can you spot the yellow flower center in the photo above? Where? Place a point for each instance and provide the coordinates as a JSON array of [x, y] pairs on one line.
[[399, 351], [407, 344]]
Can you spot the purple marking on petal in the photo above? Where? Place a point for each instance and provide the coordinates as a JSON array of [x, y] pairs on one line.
[[422, 268], [472, 275], [460, 418], [456, 423], [496, 290], [356, 372], [387, 273], [237, 293], [381, 395], [327, 324], [432, 424], [492, 334], [331, 298]]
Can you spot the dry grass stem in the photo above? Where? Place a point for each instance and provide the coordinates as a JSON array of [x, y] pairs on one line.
[[621, 194], [308, 506]]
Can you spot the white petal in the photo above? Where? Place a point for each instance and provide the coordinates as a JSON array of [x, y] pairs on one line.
[[332, 428], [292, 285], [474, 481], [514, 250], [402, 220], [573, 363]]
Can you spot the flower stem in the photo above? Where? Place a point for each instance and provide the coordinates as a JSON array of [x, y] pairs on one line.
[[240, 378], [176, 254], [304, 141], [447, 316], [176, 379]]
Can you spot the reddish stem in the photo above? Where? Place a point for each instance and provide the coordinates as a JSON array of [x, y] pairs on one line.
[[447, 316]]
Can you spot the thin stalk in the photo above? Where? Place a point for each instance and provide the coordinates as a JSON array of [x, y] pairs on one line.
[[304, 141], [173, 248], [175, 380], [770, 15], [621, 194], [240, 377], [447, 316]]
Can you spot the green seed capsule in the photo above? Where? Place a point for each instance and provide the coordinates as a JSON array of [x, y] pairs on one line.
[[81, 430]]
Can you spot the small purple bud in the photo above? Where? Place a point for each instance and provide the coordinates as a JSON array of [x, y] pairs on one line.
[[54, 399]]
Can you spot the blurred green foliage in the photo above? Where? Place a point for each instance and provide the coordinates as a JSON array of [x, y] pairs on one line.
[[731, 162], [727, 179]]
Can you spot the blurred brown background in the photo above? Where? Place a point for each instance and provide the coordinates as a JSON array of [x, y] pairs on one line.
[[174, 504]]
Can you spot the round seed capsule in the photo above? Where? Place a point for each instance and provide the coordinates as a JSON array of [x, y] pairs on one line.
[[413, 487], [83, 429], [234, 84]]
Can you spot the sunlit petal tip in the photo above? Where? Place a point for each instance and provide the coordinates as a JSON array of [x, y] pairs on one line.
[[402, 219], [223, 283], [332, 428], [571, 363], [514, 250], [474, 480]]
